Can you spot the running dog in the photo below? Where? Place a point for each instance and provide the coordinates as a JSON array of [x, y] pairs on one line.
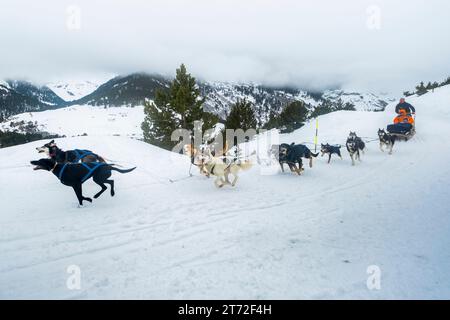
[[354, 145], [386, 140], [279, 152], [330, 150], [294, 153], [72, 156], [221, 170], [202, 154], [75, 174]]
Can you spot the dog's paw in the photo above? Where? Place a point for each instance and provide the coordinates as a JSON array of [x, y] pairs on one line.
[[113, 193]]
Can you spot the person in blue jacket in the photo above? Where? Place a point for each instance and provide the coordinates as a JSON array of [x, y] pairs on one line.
[[409, 109]]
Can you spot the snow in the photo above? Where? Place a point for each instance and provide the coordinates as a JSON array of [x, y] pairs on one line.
[[74, 90], [78, 120], [221, 95], [363, 101], [4, 83], [273, 236]]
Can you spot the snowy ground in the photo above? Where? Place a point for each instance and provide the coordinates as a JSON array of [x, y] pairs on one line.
[[272, 236], [78, 120]]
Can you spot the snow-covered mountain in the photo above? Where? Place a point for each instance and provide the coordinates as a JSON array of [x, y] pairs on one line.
[[132, 90], [220, 97], [363, 101], [22, 96], [42, 94], [74, 90], [273, 236]]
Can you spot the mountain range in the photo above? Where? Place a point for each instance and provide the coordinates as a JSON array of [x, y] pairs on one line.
[[21, 96], [133, 89]]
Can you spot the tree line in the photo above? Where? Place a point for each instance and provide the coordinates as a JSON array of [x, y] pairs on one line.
[[181, 104], [423, 88]]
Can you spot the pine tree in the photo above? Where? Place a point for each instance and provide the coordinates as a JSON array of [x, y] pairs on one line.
[[241, 116], [446, 82], [175, 108], [324, 108], [293, 116], [420, 89], [273, 122]]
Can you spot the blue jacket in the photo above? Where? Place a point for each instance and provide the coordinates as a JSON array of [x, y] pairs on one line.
[[405, 105]]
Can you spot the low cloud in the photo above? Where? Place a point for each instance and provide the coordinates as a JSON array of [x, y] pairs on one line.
[[368, 45]]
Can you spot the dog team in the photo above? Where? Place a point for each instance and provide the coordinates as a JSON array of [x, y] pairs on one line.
[[74, 167], [290, 154]]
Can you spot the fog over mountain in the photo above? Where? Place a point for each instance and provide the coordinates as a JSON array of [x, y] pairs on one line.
[[357, 44]]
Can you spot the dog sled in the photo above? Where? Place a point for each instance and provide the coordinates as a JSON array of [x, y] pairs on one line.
[[401, 133], [404, 127]]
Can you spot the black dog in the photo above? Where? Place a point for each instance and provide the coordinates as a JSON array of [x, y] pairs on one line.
[[72, 156], [354, 146], [329, 149], [74, 174], [294, 153], [280, 153], [302, 151], [386, 139]]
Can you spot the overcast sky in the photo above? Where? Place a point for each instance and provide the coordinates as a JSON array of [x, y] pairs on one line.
[[379, 45]]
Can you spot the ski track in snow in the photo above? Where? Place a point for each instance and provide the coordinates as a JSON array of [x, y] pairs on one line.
[[270, 237]]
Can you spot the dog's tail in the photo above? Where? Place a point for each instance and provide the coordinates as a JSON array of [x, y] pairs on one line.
[[315, 154], [122, 170]]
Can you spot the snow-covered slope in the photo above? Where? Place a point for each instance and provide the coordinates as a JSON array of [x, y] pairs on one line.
[[17, 96], [363, 101], [4, 83], [79, 120], [42, 94], [220, 96], [272, 236], [74, 90]]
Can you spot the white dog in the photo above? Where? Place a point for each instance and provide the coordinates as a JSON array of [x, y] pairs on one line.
[[221, 170]]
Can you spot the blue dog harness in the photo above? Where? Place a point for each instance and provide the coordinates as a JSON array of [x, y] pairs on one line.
[[81, 154], [91, 170]]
